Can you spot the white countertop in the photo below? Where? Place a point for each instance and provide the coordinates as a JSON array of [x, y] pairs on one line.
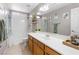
[[54, 41]]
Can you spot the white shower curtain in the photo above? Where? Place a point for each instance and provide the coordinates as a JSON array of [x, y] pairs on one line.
[[19, 28]]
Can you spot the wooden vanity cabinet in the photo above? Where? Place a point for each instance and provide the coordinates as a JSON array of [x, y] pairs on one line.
[[46, 53], [41, 45], [34, 49], [49, 51], [38, 48], [40, 51], [30, 43]]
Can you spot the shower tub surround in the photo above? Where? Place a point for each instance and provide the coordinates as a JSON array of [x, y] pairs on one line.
[[55, 42]]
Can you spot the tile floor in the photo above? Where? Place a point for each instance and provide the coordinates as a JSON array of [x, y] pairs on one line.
[[17, 50]]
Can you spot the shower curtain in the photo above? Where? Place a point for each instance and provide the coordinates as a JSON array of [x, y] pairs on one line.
[[2, 30]]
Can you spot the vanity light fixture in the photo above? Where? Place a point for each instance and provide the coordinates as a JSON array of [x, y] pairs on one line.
[[38, 16], [44, 7]]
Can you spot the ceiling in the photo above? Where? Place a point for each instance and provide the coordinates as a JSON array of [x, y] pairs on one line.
[[52, 7], [23, 7], [28, 7]]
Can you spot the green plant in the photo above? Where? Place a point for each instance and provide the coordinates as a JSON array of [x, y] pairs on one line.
[[37, 29]]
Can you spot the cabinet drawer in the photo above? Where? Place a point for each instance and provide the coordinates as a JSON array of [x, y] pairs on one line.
[[50, 51], [41, 45], [39, 51]]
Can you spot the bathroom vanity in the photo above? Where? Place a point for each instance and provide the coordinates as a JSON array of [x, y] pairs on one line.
[[43, 43], [38, 48]]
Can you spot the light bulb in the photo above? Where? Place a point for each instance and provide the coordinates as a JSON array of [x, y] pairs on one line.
[[44, 8]]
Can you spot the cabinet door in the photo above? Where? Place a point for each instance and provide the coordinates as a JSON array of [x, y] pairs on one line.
[[41, 45], [46, 53], [39, 51], [35, 49], [30, 44], [50, 51]]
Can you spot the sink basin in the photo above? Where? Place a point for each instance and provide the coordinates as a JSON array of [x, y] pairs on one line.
[[45, 36]]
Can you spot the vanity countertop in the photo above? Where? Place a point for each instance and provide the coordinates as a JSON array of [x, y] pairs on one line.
[[55, 41]]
